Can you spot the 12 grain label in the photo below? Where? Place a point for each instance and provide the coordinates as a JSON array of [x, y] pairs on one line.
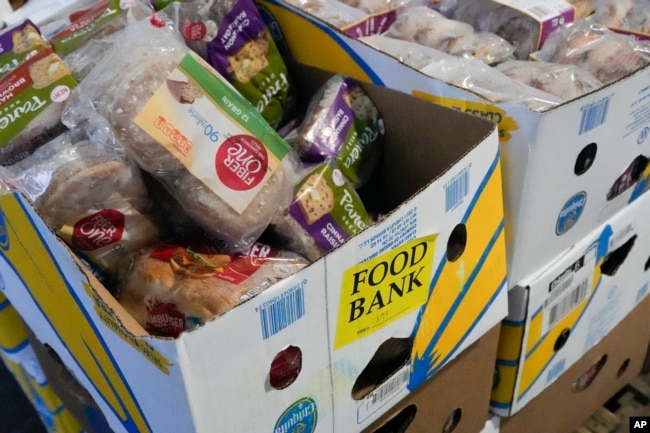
[[640, 424]]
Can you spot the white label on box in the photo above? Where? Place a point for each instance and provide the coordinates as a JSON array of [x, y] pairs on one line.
[[542, 10], [456, 189], [281, 311], [569, 289], [384, 392], [593, 114]]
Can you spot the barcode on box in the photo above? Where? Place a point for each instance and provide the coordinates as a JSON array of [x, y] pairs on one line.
[[384, 392], [282, 311], [559, 290], [568, 302], [593, 115], [456, 189]]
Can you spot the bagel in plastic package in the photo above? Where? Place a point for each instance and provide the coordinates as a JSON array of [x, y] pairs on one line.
[[90, 194], [564, 81], [182, 122], [232, 36], [608, 55], [343, 123], [325, 212], [466, 73], [171, 288], [425, 26]]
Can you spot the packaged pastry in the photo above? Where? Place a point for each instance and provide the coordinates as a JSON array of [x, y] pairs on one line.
[[609, 56], [343, 123], [425, 26], [90, 193], [32, 98], [17, 43], [564, 81], [232, 36], [181, 121], [325, 212], [171, 288]]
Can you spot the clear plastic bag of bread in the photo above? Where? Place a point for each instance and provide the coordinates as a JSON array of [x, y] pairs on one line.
[[325, 212], [564, 81], [232, 36], [423, 25], [333, 12], [465, 73], [630, 15], [185, 125], [521, 27], [343, 123], [171, 288], [608, 55], [90, 193]]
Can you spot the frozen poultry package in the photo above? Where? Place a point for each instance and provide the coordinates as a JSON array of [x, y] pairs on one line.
[[608, 55], [343, 123], [90, 193], [171, 288], [184, 124], [564, 81], [524, 24], [425, 26]]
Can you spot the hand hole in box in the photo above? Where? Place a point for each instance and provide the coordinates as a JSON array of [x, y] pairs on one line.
[[647, 264], [585, 159], [452, 421], [387, 359], [456, 242], [615, 259], [496, 378], [623, 368], [629, 177], [562, 339], [285, 367], [400, 422], [587, 378]]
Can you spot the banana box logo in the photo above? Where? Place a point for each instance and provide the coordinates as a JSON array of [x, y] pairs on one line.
[[378, 292], [462, 289], [36, 267]]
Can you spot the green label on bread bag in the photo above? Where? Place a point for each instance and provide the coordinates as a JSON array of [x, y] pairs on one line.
[[17, 44]]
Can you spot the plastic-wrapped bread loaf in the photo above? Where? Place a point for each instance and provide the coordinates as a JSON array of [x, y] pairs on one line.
[[183, 123], [609, 56], [172, 288]]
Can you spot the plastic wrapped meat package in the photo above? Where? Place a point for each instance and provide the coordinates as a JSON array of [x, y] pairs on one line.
[[609, 56], [171, 288], [90, 193], [183, 123], [425, 26], [469, 74], [564, 81]]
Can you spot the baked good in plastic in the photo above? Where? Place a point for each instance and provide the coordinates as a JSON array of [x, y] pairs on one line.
[[215, 154], [564, 81], [609, 56], [90, 193], [623, 15], [343, 123], [425, 26], [170, 288]]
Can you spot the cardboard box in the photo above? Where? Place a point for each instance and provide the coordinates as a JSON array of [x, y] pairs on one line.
[[215, 378], [560, 166], [17, 353], [456, 399], [564, 406], [556, 316]]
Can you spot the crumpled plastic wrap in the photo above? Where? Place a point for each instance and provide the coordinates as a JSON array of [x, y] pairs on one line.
[[90, 193], [564, 81], [425, 26], [333, 12], [376, 6], [469, 74], [631, 15], [609, 56], [171, 288], [124, 82]]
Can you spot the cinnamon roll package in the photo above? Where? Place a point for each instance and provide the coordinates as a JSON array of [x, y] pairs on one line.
[[171, 288], [182, 122]]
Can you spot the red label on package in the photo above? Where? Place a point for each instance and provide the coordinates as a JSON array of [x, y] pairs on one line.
[[241, 162], [164, 318], [98, 230]]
